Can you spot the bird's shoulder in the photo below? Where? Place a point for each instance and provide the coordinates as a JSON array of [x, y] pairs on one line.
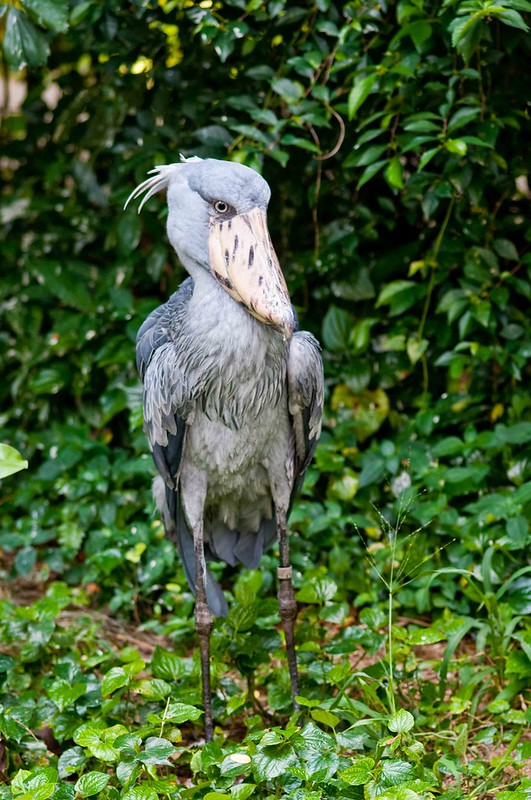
[[162, 325], [305, 370]]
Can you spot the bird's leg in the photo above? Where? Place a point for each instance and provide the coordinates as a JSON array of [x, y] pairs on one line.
[[203, 627], [287, 605], [193, 495]]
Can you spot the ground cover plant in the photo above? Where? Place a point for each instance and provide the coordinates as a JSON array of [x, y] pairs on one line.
[[395, 139]]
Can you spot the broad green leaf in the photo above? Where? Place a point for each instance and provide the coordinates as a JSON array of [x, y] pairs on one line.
[[165, 664], [64, 694], [401, 722], [52, 14], [91, 783], [359, 773], [24, 44], [243, 617], [336, 328], [395, 772], [390, 290], [420, 31], [141, 792], [466, 33], [157, 751], [416, 348], [510, 17], [325, 717], [115, 679], [271, 761], [345, 486], [10, 461], [71, 760], [359, 93], [456, 146], [290, 91], [506, 249], [94, 738], [242, 791]]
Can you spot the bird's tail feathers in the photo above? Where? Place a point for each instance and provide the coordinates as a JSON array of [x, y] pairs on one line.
[[185, 545]]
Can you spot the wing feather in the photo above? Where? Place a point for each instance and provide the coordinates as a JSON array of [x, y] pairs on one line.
[[305, 400], [166, 396]]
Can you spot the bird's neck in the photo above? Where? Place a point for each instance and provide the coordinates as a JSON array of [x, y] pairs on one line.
[[224, 328]]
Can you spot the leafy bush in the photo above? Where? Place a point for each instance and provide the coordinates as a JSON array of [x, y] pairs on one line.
[[394, 137]]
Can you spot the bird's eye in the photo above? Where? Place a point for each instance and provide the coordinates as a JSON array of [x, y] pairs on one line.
[[221, 207]]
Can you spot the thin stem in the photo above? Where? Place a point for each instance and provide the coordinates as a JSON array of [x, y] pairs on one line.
[[390, 652]]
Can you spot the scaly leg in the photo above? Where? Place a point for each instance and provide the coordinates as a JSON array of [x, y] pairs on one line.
[[203, 627], [287, 605], [193, 495]]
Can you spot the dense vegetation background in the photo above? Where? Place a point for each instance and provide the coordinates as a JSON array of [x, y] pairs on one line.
[[395, 137]]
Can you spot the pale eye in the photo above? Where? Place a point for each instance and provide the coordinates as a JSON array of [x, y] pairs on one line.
[[221, 207]]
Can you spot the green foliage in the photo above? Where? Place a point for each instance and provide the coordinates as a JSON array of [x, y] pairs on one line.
[[395, 139], [10, 461]]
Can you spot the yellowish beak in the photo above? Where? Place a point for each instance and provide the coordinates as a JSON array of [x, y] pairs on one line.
[[243, 260]]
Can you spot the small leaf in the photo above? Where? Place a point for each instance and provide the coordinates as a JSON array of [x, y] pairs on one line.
[[393, 174], [274, 760], [359, 93], [457, 146], [390, 290], [64, 694], [141, 792], [427, 157], [336, 328], [10, 461], [396, 772], [324, 717], [24, 44], [51, 14], [115, 679], [510, 17], [370, 171], [401, 722], [157, 751], [416, 348], [242, 791], [165, 664], [506, 249], [290, 91], [91, 783], [181, 712], [359, 773]]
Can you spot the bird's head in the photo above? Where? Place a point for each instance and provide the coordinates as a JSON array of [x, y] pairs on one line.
[[217, 220]]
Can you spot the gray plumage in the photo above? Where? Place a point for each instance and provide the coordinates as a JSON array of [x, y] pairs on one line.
[[232, 396]]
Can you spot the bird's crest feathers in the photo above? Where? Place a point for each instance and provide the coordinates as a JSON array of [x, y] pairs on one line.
[[160, 179]]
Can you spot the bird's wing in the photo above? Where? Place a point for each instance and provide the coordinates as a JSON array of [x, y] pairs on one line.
[[168, 406], [166, 394], [305, 398]]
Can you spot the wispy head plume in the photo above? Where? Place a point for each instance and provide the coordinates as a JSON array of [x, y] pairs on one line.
[[160, 179]]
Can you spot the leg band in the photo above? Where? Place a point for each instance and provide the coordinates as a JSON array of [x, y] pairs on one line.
[[284, 573]]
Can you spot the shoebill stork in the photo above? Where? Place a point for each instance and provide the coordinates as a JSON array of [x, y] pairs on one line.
[[233, 392]]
